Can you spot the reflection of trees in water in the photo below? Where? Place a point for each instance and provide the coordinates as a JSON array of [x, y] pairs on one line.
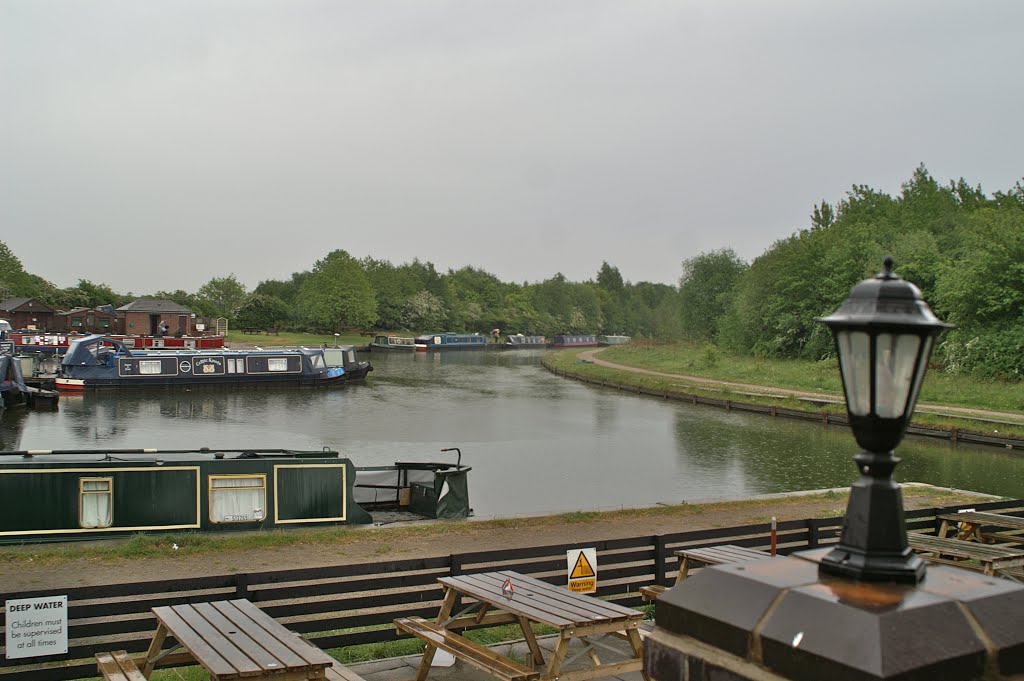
[[777, 455], [752, 454]]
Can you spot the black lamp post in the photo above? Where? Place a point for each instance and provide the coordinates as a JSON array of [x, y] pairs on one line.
[[884, 335]]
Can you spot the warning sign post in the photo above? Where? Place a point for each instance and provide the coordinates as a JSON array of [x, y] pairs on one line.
[[582, 570]]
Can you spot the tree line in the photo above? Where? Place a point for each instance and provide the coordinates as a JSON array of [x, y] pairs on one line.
[[962, 247]]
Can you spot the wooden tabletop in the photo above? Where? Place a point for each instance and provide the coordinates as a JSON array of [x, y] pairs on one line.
[[718, 555], [980, 518], [234, 639], [539, 601]]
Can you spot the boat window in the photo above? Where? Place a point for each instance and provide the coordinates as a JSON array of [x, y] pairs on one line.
[[149, 366], [237, 498], [95, 502], [317, 361], [277, 364]]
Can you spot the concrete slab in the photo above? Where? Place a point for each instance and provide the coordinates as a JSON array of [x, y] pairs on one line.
[[404, 668]]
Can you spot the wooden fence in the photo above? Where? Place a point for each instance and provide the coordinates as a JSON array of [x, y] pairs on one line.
[[335, 606]]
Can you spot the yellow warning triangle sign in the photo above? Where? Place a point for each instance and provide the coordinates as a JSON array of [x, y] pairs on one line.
[[582, 568]]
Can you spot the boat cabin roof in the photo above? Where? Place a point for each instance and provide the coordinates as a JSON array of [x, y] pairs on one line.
[[30, 457]]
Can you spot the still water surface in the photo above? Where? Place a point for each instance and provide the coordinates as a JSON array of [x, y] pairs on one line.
[[537, 443]]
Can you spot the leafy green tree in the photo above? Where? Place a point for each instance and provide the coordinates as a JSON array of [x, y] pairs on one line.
[[201, 307], [14, 281], [426, 312], [222, 296], [337, 294], [262, 312], [705, 291]]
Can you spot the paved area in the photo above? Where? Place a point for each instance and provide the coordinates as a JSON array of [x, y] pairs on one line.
[[404, 668]]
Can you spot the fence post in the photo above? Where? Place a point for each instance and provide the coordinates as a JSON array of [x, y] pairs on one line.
[[242, 585], [659, 560], [812, 533]]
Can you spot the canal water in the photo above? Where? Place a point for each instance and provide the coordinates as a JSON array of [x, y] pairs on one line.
[[537, 443]]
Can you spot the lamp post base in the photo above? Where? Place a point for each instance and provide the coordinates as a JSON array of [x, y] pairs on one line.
[[906, 567]]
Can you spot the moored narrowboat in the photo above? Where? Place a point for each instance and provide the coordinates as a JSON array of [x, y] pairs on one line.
[[96, 362], [64, 495], [450, 341], [393, 344], [520, 342], [576, 341], [613, 340], [32, 342]]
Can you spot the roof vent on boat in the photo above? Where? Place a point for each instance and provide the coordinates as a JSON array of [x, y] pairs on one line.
[[218, 455]]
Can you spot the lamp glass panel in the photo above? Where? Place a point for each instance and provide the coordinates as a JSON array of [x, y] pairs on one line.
[[895, 360], [854, 361], [922, 366]]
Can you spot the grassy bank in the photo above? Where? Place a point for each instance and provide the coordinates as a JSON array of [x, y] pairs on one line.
[[822, 378], [290, 338], [706, 361]]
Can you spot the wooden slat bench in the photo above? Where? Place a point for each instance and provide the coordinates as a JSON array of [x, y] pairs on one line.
[[117, 666], [988, 558], [651, 592], [341, 673], [477, 656]]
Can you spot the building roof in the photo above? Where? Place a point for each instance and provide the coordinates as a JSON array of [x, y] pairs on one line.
[[154, 305], [81, 310], [12, 304]]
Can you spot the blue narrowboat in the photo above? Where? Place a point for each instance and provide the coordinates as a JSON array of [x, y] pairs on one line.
[[96, 362], [578, 341], [450, 341]]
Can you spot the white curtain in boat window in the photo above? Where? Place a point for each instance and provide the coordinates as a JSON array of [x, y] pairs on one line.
[[149, 366], [238, 499], [277, 364], [96, 502]]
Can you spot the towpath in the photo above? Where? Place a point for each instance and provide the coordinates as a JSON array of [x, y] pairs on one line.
[[1009, 417]]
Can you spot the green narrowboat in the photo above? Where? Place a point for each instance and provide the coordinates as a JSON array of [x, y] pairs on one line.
[[65, 495]]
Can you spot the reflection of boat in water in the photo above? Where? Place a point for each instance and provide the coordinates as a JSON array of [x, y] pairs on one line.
[[101, 493], [613, 340], [104, 362], [392, 344], [577, 341], [439, 342], [519, 341]]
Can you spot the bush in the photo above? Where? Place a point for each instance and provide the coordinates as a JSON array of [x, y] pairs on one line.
[[984, 353]]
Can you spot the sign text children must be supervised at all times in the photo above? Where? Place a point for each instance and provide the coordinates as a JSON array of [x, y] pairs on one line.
[[37, 626]]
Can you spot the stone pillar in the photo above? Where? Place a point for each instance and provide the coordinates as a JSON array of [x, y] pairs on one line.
[[777, 618]]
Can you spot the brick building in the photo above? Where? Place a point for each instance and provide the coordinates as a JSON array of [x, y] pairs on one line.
[[28, 313], [145, 316]]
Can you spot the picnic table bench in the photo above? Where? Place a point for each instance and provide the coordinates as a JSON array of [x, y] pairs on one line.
[[231, 640], [509, 597], [968, 525], [987, 558], [707, 555]]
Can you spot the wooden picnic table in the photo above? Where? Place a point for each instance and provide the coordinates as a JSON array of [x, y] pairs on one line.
[[576, 617], [715, 555], [990, 558], [968, 526], [234, 639]]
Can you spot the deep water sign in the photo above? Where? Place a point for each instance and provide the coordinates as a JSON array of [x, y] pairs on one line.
[[37, 626], [582, 570]]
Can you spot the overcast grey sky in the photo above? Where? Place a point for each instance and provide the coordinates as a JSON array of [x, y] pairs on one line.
[[154, 144]]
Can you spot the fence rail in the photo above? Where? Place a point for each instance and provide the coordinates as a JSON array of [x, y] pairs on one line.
[[332, 606]]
